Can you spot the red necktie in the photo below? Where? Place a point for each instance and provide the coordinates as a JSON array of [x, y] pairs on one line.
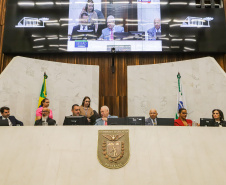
[[105, 123]]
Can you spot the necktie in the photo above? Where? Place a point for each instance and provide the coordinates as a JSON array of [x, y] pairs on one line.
[[112, 36], [105, 123], [84, 27], [154, 123]]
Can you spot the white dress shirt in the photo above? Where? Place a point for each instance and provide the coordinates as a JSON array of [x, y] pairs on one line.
[[83, 27]]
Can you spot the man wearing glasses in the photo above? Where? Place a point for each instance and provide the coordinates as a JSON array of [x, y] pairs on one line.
[[45, 120]]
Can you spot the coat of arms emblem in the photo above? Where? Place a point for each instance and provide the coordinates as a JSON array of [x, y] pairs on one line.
[[113, 148]]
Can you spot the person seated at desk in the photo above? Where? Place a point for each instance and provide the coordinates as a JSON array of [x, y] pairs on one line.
[[218, 119], [92, 15], [152, 120], [108, 33], [85, 109], [75, 109], [182, 121], [44, 104], [83, 25], [104, 110], [155, 31], [5, 112], [45, 119]]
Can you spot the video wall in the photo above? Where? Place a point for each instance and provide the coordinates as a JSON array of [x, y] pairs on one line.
[[104, 25]]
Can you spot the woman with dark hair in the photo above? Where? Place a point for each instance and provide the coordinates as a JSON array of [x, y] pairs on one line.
[[92, 15], [44, 104], [218, 119], [182, 121], [85, 109]]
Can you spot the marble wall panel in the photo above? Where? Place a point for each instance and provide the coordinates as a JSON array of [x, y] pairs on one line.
[[67, 84], [155, 86]]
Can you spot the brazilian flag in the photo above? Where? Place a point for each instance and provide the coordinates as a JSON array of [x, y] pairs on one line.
[[43, 93]]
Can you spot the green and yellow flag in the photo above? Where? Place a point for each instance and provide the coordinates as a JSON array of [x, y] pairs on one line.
[[43, 93]]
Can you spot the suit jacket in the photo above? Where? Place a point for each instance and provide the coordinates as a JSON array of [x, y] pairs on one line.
[[148, 121], [14, 121], [178, 122], [106, 32], [77, 27], [152, 33], [216, 124], [49, 121], [99, 121]]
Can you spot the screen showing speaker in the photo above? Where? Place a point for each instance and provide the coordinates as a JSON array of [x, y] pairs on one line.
[[100, 25]]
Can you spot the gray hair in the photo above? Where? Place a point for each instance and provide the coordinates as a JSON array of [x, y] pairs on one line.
[[111, 18], [105, 107]]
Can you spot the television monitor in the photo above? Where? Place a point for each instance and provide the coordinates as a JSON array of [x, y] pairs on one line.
[[4, 122], [165, 121], [38, 26], [117, 121], [135, 120], [205, 121], [75, 120]]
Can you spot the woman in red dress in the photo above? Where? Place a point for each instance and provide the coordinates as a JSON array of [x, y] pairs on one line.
[[182, 121]]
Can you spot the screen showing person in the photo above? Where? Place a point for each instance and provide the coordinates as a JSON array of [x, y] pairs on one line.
[[154, 32], [83, 28], [108, 33], [92, 15], [128, 31]]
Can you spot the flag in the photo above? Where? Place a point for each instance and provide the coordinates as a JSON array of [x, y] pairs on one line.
[[43, 93], [181, 103]]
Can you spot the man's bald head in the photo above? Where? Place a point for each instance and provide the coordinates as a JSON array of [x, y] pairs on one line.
[[153, 113], [45, 112], [157, 23]]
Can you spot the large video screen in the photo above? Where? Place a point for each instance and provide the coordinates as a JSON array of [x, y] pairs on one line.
[[108, 25]]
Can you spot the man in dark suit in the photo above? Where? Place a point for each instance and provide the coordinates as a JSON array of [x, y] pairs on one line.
[[84, 25], [154, 32], [75, 109], [45, 120], [5, 111], [152, 120]]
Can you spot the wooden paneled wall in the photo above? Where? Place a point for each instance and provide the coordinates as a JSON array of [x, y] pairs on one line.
[[112, 86]]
